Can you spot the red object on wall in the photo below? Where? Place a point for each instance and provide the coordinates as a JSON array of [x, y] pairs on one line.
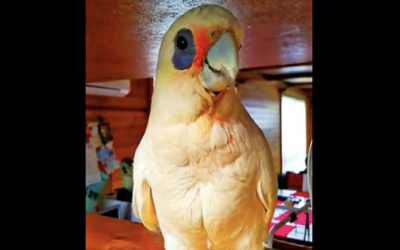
[[294, 181]]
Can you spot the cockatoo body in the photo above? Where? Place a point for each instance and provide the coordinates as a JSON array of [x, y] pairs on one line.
[[203, 171]]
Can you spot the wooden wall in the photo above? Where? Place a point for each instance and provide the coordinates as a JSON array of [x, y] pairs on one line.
[[128, 119], [262, 101]]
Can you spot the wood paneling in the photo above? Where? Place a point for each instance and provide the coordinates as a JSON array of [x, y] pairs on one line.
[[262, 101], [123, 37], [128, 119], [295, 92], [119, 118]]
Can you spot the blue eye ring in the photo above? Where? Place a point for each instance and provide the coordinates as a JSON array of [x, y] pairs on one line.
[[185, 49]]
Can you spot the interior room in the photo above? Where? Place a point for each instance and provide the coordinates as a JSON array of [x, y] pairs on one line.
[[274, 83]]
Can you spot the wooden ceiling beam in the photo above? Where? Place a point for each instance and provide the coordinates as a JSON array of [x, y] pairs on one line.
[[123, 37]]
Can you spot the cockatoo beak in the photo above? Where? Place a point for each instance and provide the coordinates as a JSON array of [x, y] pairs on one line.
[[221, 65]]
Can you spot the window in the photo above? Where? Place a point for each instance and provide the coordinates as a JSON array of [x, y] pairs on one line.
[[294, 150]]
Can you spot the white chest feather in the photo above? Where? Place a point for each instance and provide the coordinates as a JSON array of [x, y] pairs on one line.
[[203, 176], [205, 147]]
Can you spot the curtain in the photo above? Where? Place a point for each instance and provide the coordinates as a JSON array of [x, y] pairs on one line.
[[294, 139]]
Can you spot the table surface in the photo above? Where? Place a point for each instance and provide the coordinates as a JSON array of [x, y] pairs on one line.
[[297, 229], [104, 232], [290, 192]]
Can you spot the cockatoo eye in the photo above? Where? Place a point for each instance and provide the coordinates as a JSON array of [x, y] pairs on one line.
[[185, 49]]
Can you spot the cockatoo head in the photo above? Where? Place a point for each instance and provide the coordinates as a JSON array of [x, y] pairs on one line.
[[200, 49]]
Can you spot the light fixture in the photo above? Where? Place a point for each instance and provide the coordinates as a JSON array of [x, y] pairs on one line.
[[299, 80]]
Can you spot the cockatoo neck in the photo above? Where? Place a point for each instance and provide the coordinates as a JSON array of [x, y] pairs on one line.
[[189, 102]]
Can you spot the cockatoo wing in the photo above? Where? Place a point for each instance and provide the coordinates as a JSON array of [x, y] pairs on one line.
[[267, 186], [142, 200]]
